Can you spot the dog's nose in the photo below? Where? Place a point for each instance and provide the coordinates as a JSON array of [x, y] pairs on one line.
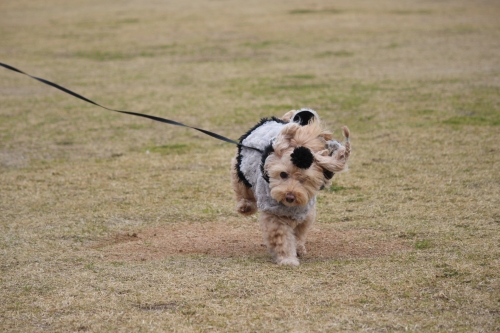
[[290, 198]]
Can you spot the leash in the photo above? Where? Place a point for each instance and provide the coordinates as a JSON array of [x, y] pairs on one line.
[[162, 120]]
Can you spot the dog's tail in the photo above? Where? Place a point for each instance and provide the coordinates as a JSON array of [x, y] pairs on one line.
[[347, 141]]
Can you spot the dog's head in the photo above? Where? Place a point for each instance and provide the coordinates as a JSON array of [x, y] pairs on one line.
[[301, 161]]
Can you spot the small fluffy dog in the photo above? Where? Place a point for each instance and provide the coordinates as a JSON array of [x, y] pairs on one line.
[[293, 158]]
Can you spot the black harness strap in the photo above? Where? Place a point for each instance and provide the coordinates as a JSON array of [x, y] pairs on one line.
[[163, 120]]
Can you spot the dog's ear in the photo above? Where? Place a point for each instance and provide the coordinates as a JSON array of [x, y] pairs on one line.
[[324, 152], [288, 131], [288, 116], [335, 163], [268, 150], [282, 140], [304, 117], [326, 135], [333, 148]]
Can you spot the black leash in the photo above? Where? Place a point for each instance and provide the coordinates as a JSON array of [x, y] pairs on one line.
[[163, 120]]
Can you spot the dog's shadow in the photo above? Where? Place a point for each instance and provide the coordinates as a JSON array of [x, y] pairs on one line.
[[229, 240]]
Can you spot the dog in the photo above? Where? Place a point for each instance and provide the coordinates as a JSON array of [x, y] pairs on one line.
[[292, 159]]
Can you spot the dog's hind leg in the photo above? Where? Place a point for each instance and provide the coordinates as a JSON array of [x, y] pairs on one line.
[[245, 199], [279, 238]]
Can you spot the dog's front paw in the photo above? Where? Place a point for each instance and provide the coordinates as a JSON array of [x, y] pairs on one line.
[[301, 250], [287, 261], [246, 207]]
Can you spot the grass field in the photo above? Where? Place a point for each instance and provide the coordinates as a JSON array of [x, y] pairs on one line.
[[116, 223]]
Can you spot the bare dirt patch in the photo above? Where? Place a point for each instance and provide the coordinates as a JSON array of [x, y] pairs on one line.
[[227, 240]]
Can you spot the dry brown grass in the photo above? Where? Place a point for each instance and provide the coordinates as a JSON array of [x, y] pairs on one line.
[[115, 223]]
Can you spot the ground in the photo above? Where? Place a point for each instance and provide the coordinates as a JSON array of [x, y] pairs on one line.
[[116, 223]]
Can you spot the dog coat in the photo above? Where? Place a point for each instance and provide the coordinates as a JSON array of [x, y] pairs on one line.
[[250, 164]]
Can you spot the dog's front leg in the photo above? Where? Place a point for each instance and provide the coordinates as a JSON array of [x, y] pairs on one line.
[[301, 231], [280, 239]]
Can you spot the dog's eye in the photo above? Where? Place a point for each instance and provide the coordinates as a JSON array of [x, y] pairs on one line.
[[283, 175]]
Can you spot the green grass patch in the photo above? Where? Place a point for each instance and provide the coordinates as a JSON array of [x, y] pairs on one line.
[[334, 188], [480, 107], [112, 55], [473, 120], [171, 149], [423, 244], [262, 44], [302, 76], [315, 11], [341, 53], [425, 112], [412, 12], [128, 21], [392, 46]]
